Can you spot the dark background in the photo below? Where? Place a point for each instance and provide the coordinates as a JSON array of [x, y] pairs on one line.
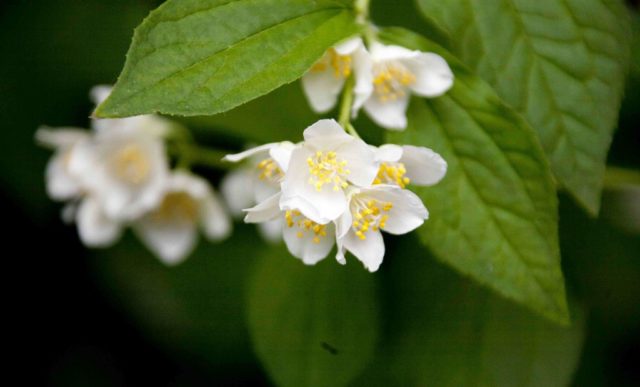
[[66, 326]]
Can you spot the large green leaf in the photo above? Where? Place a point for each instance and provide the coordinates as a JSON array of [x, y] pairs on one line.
[[199, 57], [494, 216], [444, 330], [561, 63], [312, 326]]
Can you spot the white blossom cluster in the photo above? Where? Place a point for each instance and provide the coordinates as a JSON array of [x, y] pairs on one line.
[[117, 175], [330, 189], [385, 77], [333, 188]]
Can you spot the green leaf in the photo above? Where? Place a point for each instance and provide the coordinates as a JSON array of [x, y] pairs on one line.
[[561, 63], [446, 331], [201, 57], [312, 326], [494, 216]]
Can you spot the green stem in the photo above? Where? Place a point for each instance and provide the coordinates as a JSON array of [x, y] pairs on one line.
[[362, 18], [347, 101], [352, 131], [362, 11]]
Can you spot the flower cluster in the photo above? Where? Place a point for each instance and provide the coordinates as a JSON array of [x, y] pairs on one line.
[[385, 76], [333, 188], [118, 175]]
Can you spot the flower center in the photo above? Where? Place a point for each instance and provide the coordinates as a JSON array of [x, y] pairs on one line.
[[296, 219], [391, 80], [368, 215], [327, 168], [340, 64], [270, 171], [392, 173], [131, 164], [176, 206]]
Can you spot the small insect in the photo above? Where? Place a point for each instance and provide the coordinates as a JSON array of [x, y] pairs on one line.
[[329, 348]]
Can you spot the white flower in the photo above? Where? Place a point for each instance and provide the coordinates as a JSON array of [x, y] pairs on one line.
[[307, 240], [171, 229], [397, 71], [381, 207], [256, 181], [321, 168], [324, 81], [401, 165], [62, 184], [261, 178], [124, 168], [96, 229]]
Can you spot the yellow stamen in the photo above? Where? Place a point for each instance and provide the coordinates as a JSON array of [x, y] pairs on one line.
[[370, 214], [391, 80], [131, 164], [340, 64], [176, 206], [327, 168], [392, 173], [295, 218], [270, 171]]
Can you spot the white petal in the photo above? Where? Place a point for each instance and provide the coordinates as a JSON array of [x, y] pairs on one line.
[[389, 153], [214, 219], [384, 53], [265, 211], [281, 154], [99, 93], [271, 230], [298, 194], [325, 135], [391, 114], [322, 89], [60, 137], [363, 73], [304, 248], [94, 227], [369, 251], [264, 189], [424, 166], [237, 190], [340, 253], [343, 224], [360, 160], [83, 161], [408, 211], [60, 184], [195, 186], [433, 75], [171, 242], [234, 158], [349, 46], [321, 207], [121, 199]]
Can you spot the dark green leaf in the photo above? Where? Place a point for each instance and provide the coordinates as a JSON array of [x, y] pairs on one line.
[[312, 326], [200, 57], [561, 63], [447, 331], [494, 216]]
